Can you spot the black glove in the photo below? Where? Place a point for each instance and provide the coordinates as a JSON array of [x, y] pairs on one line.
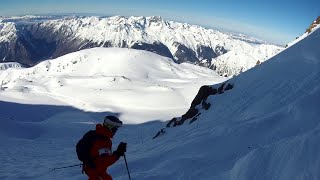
[[122, 148]]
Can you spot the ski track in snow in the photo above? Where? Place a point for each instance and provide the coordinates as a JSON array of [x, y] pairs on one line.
[[70, 100]]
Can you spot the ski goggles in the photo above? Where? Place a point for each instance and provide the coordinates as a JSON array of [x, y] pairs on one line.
[[112, 128]]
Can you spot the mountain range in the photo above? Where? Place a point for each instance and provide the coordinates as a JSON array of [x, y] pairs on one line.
[[32, 39]]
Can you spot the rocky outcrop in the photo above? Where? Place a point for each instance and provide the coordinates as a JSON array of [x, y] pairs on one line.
[[184, 54], [314, 24], [156, 47], [199, 103]]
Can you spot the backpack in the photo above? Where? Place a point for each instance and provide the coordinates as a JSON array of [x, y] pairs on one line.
[[84, 146]]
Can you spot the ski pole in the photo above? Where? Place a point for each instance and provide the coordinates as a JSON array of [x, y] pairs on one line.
[[67, 167], [125, 159]]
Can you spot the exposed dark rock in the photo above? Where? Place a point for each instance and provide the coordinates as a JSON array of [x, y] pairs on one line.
[[313, 25], [205, 52], [258, 62], [189, 114], [193, 113], [203, 93], [205, 105], [194, 118], [219, 50], [173, 120], [184, 54], [162, 131], [15, 51], [229, 86], [156, 47], [220, 89]]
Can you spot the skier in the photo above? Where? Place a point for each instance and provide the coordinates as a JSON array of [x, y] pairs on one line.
[[99, 145]]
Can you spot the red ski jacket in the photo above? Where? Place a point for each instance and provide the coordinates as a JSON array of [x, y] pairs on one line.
[[101, 151]]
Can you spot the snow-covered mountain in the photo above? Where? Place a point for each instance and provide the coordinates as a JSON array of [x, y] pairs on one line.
[[264, 126], [8, 32], [113, 75], [227, 54]]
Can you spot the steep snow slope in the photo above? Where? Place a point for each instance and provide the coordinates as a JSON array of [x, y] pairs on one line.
[[266, 127]]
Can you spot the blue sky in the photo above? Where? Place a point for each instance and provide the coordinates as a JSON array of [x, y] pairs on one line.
[[274, 21]]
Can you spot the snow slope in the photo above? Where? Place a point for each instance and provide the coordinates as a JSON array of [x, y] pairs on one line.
[[112, 79], [266, 127]]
